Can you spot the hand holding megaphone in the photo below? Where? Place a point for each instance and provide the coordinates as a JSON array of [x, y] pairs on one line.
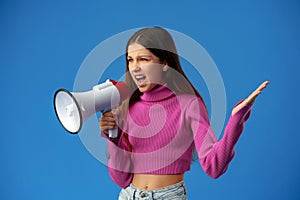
[[74, 108]]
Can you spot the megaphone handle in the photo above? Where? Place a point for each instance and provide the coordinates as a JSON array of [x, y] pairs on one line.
[[113, 133]]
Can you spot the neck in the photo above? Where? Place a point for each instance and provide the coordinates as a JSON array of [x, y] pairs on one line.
[[159, 92]]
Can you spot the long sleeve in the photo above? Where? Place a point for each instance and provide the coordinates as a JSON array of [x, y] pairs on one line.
[[119, 162], [214, 155]]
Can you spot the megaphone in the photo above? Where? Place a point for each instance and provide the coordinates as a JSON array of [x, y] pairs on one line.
[[74, 108]]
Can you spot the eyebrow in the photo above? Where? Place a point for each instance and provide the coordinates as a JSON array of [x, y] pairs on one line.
[[139, 56]]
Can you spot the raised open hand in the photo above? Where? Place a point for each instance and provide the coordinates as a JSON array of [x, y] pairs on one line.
[[251, 98]]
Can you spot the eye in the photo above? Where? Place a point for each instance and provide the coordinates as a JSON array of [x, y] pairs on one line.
[[129, 60], [144, 59]]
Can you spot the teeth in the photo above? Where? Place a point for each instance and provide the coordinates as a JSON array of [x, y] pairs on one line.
[[139, 77]]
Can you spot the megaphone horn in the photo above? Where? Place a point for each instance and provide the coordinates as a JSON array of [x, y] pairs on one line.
[[74, 108]]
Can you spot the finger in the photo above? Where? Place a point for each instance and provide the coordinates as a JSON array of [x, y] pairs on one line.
[[107, 129], [263, 85], [108, 119], [106, 126], [108, 114], [259, 89], [252, 97], [254, 94], [106, 123]]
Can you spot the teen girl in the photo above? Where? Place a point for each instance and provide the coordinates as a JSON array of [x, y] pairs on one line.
[[163, 122]]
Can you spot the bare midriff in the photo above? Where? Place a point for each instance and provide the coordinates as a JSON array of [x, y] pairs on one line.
[[155, 181]]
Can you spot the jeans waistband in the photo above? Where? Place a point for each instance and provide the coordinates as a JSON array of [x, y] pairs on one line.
[[157, 193]]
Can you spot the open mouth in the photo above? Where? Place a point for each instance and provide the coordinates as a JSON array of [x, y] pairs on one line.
[[140, 79]]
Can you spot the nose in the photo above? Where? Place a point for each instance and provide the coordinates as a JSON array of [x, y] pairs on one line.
[[134, 67]]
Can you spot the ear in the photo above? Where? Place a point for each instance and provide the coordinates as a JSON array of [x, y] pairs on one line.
[[165, 67]]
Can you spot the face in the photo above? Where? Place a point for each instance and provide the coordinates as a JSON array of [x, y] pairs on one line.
[[145, 68]]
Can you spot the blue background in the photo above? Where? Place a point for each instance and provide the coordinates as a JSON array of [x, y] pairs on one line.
[[43, 43]]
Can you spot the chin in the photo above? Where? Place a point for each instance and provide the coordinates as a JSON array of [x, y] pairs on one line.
[[146, 88], [143, 89]]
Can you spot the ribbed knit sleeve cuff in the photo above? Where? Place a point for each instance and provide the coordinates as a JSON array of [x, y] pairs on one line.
[[236, 123]]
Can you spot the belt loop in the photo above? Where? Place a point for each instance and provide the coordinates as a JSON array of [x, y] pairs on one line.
[[184, 188], [152, 195], [133, 193]]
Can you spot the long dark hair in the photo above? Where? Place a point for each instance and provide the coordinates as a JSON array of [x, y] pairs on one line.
[[159, 42]]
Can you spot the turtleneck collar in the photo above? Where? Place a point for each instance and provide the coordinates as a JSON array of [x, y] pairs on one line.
[[157, 94]]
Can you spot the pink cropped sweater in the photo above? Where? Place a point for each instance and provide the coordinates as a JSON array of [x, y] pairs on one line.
[[163, 130]]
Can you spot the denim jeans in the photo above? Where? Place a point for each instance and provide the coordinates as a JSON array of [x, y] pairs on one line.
[[174, 192]]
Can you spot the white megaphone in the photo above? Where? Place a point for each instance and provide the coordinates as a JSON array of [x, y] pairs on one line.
[[74, 108]]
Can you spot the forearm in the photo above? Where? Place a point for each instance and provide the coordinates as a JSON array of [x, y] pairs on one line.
[[216, 155], [119, 162]]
